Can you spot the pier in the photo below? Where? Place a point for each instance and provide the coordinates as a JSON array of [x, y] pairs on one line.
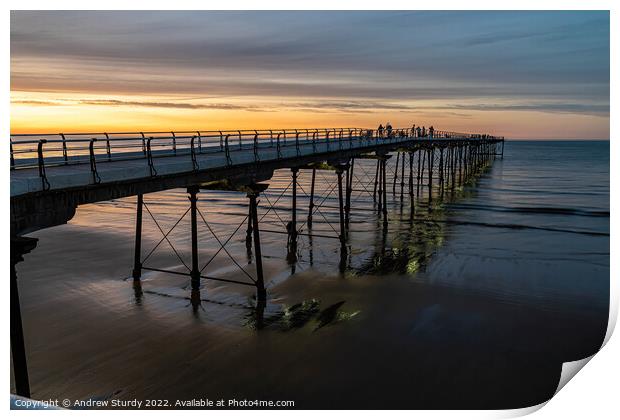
[[53, 174]]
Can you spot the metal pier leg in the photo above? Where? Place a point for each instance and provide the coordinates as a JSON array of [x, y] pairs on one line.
[[374, 194], [395, 174], [343, 234], [195, 273], [293, 224], [380, 181], [311, 204], [261, 293], [431, 158], [137, 262], [411, 183], [402, 177], [454, 155], [441, 169], [421, 160], [384, 209], [248, 232], [19, 247], [349, 190]]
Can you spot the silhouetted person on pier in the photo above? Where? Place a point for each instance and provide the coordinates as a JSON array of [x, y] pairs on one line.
[[419, 131], [431, 131], [388, 128], [380, 130], [423, 131], [413, 130]]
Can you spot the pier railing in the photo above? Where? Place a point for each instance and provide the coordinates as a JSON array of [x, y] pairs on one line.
[[46, 150]]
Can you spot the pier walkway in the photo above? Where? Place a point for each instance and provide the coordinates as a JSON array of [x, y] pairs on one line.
[[52, 174]]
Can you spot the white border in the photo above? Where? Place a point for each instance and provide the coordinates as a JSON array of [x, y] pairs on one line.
[[593, 394]]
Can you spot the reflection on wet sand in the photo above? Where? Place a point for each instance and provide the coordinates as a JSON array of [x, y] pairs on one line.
[[425, 314]]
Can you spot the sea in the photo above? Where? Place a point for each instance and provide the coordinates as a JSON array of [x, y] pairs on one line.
[[473, 300]]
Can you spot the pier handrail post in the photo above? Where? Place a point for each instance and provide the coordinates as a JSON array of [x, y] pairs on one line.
[[41, 163], [93, 161], [143, 144], [193, 154], [297, 143], [65, 156], [12, 155], [195, 273], [174, 143], [327, 139], [199, 142], [137, 252], [108, 149], [256, 157], [149, 157], [227, 150], [278, 147]]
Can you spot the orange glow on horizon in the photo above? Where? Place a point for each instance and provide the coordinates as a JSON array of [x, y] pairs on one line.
[[41, 112]]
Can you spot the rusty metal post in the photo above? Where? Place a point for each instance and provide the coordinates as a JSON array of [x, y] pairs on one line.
[[137, 251]]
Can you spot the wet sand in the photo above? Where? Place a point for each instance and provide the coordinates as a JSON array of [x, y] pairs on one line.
[[445, 316]]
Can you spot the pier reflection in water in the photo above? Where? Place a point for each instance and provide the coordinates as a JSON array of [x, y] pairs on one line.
[[435, 311]]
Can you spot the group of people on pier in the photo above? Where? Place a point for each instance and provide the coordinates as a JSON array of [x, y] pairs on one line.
[[389, 132]]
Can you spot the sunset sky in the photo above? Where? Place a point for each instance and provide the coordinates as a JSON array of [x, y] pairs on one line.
[[517, 74]]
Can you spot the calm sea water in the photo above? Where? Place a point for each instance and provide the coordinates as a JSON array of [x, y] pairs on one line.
[[473, 303]]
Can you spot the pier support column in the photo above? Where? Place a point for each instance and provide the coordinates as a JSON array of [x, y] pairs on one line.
[[292, 227], [441, 169], [311, 204], [195, 273], [248, 232], [421, 160], [384, 209], [349, 190], [137, 257], [379, 183], [402, 177], [261, 293], [374, 193], [412, 203], [395, 174], [19, 247], [431, 162], [343, 232]]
